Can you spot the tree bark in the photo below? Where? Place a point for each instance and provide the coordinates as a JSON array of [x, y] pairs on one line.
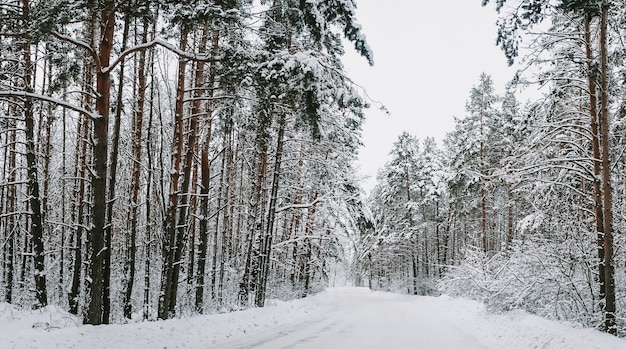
[[34, 200], [133, 214], [169, 285], [483, 201], [308, 231], [112, 177], [10, 224], [597, 163], [609, 306], [205, 180], [99, 302], [204, 220], [78, 208], [266, 240]]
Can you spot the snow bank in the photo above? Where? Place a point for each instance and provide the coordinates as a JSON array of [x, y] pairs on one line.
[[520, 330], [53, 328]]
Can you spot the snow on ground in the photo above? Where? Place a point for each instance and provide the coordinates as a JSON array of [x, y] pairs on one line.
[[342, 318]]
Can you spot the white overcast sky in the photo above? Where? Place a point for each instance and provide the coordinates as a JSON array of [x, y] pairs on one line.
[[427, 57]]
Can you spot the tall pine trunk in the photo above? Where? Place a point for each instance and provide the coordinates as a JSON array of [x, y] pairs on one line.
[[595, 146], [133, 214], [308, 231], [169, 285], [34, 200], [99, 235], [483, 200], [609, 306], [266, 239], [205, 180], [11, 227], [257, 204], [112, 177], [78, 213]]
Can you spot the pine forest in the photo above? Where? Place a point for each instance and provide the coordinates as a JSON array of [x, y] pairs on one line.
[[162, 159]]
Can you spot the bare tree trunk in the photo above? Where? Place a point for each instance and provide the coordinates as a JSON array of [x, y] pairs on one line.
[[133, 214], [609, 307], [296, 221], [257, 205], [483, 215], [47, 155], [149, 179], [169, 285], [308, 231], [266, 240], [11, 228], [483, 203], [100, 239], [595, 146], [219, 244], [509, 225], [78, 205], [439, 258], [34, 200], [193, 209], [82, 130], [225, 204], [204, 220], [112, 177]]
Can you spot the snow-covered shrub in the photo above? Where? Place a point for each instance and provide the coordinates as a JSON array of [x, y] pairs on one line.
[[553, 279]]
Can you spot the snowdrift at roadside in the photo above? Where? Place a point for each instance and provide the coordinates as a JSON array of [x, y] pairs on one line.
[[53, 328]]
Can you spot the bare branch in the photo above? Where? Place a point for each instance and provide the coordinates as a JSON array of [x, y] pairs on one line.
[[307, 205], [49, 99], [164, 44], [81, 44]]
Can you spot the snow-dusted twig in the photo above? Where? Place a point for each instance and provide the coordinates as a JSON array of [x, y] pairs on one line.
[[305, 205], [65, 104]]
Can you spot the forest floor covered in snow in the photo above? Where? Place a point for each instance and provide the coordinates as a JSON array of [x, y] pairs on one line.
[[342, 318]]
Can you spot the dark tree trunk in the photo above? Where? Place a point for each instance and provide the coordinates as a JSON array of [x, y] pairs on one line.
[[609, 306], [204, 222], [205, 179], [78, 213], [483, 200], [266, 239], [112, 178], [225, 191], [11, 228], [148, 236], [509, 224], [34, 200], [257, 205], [169, 284], [133, 215], [308, 231], [595, 146], [99, 237], [196, 111]]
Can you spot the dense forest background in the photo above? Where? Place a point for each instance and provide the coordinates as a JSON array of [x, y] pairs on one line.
[[524, 204], [166, 158], [162, 158]]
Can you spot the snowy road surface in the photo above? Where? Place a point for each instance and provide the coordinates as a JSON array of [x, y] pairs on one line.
[[339, 318], [358, 318]]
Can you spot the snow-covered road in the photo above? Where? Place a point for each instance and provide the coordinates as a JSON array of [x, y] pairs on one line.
[[338, 318], [359, 318]]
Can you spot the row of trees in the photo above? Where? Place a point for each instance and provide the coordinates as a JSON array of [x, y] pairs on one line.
[[165, 157], [525, 205]]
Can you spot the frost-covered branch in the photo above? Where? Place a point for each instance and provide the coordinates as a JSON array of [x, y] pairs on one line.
[[299, 206], [165, 44], [300, 238], [81, 44], [49, 99]]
